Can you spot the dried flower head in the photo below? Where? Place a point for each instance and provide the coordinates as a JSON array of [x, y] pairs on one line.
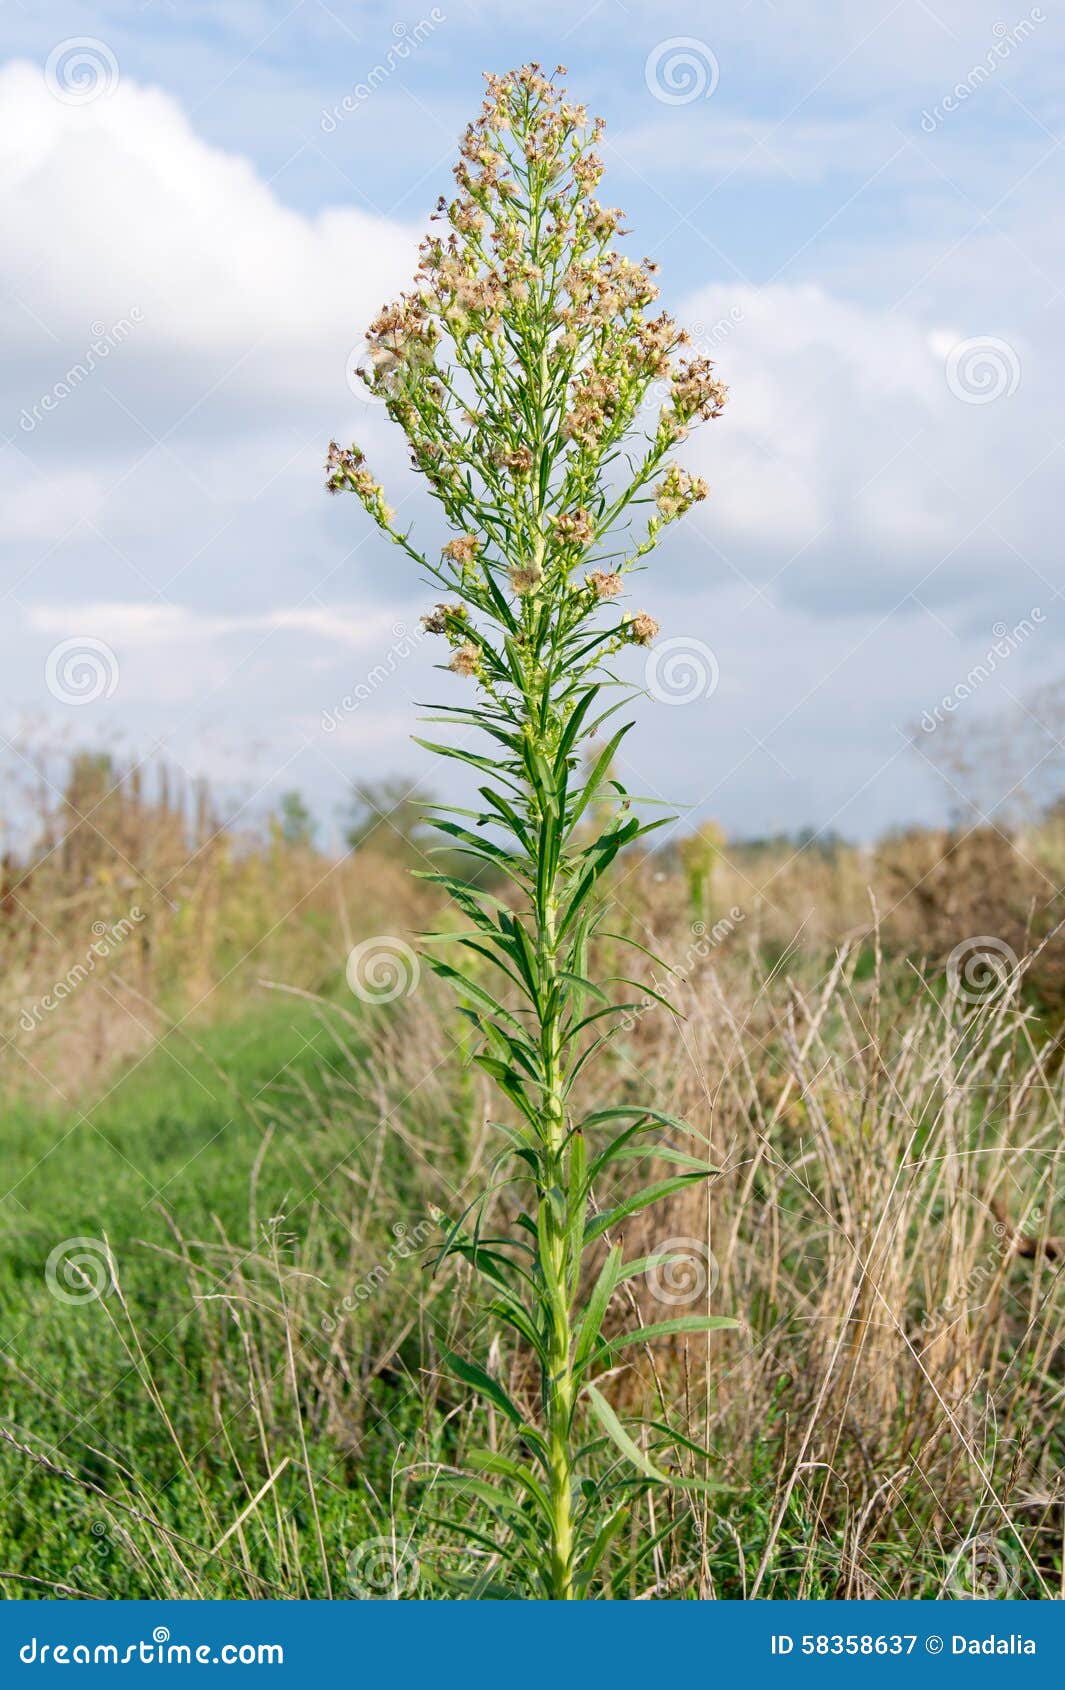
[[604, 584], [435, 621], [466, 660], [346, 469], [641, 628], [462, 550], [678, 491], [518, 364], [575, 528]]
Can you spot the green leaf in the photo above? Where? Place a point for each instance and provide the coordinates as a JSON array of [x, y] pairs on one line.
[[469, 988], [595, 779], [597, 1305], [488, 1461], [641, 1200], [661, 1153], [667, 1329], [601, 1543], [624, 939], [459, 753], [479, 1380], [616, 1432], [626, 1111], [508, 1508]]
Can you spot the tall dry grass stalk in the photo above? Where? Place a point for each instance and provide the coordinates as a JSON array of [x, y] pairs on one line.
[[889, 1221]]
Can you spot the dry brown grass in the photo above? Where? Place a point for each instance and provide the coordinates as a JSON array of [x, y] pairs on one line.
[[186, 914], [887, 1225], [888, 1222]]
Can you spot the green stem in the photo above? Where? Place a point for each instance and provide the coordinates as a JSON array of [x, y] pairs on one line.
[[555, 1265]]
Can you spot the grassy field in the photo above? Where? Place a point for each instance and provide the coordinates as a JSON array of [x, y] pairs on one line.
[[222, 1344], [230, 1191]]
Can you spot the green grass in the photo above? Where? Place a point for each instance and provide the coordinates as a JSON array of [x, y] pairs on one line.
[[246, 1184], [177, 1128], [172, 1147]]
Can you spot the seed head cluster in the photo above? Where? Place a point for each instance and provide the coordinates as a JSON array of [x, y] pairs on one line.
[[519, 365]]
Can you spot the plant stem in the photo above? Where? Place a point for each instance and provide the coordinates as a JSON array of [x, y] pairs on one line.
[[555, 1266]]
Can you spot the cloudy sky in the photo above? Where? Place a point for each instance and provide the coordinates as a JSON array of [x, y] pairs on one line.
[[856, 208]]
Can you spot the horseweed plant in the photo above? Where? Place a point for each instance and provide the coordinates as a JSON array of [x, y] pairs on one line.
[[519, 368]]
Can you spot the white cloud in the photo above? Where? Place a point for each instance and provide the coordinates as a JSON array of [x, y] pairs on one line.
[[845, 467], [118, 206], [136, 626]]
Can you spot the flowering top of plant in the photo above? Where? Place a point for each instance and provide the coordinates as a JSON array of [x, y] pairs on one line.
[[518, 366]]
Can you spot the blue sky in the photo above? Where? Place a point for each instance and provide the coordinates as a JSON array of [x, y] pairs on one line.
[[857, 208]]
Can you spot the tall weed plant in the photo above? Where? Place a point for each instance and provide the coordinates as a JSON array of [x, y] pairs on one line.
[[520, 367]]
